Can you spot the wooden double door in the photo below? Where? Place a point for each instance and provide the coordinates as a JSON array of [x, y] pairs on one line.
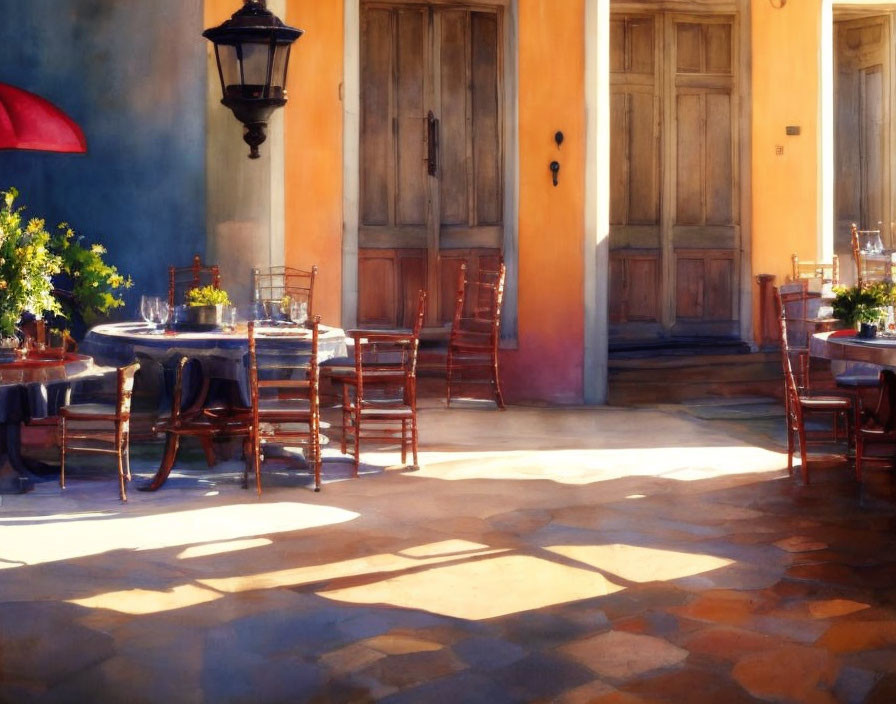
[[431, 156], [863, 96], [675, 237]]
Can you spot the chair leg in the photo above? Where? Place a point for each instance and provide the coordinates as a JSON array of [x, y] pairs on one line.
[[414, 437], [248, 457], [790, 447], [357, 439], [62, 454], [208, 447], [258, 461], [499, 398], [404, 442], [119, 437], [345, 416], [804, 466], [448, 369], [127, 455]]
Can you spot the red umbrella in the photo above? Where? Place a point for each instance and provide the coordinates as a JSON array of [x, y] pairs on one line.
[[27, 121]]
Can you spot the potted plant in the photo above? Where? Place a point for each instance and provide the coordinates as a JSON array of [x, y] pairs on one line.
[[50, 276], [27, 267], [205, 306], [867, 304]]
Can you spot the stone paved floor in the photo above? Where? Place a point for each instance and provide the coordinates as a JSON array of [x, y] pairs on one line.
[[585, 555]]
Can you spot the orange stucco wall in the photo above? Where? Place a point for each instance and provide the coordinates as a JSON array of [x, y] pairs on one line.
[[785, 47], [313, 142], [548, 363]]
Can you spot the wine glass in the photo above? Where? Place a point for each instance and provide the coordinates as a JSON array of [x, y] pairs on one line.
[[163, 311], [298, 311], [147, 308]]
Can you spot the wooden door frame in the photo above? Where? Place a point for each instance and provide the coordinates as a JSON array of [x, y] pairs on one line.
[[351, 101]]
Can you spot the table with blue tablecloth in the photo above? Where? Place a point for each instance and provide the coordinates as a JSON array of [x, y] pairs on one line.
[[32, 388], [221, 356]]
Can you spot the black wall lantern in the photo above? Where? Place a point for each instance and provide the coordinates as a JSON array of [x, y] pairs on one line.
[[252, 49]]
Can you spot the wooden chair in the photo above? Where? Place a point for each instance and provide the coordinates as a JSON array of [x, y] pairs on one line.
[[475, 332], [273, 284], [185, 278], [798, 402], [285, 409], [101, 428], [826, 272], [878, 427], [870, 267], [379, 400]]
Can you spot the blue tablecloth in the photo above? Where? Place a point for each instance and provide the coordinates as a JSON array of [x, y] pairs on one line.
[[220, 355]]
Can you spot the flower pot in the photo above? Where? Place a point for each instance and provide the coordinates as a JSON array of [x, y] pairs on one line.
[[203, 317]]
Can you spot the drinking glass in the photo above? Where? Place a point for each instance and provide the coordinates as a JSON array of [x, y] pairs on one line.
[[163, 311], [298, 311], [147, 308]]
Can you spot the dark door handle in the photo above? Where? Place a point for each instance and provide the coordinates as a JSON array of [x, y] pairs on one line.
[[555, 169], [432, 143]]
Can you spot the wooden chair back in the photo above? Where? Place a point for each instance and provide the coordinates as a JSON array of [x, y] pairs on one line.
[[273, 284], [826, 272], [478, 303], [870, 267], [185, 278], [283, 388], [386, 362], [791, 387]]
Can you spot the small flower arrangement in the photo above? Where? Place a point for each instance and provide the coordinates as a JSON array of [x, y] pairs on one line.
[[207, 296]]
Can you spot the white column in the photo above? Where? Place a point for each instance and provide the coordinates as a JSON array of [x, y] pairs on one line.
[[597, 197], [826, 134]]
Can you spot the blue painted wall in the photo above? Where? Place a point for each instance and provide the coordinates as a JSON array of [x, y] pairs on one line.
[[133, 76]]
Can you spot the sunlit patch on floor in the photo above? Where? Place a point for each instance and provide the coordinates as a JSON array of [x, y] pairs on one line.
[[581, 467], [96, 534], [482, 588], [348, 569], [639, 564], [222, 547], [144, 601]]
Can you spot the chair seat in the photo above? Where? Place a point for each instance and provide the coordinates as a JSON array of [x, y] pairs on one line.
[[817, 403], [855, 381], [392, 412], [89, 411]]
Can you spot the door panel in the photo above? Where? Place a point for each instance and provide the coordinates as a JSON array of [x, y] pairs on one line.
[[410, 101], [674, 209], [863, 96], [441, 178]]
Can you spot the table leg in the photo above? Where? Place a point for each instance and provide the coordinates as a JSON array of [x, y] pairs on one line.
[[172, 443], [14, 476]]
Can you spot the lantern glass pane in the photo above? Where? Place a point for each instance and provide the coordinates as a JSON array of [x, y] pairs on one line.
[[278, 74], [255, 68], [230, 68]]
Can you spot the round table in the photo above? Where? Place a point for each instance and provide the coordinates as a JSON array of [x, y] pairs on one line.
[[32, 388], [120, 343], [222, 355], [843, 345]]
